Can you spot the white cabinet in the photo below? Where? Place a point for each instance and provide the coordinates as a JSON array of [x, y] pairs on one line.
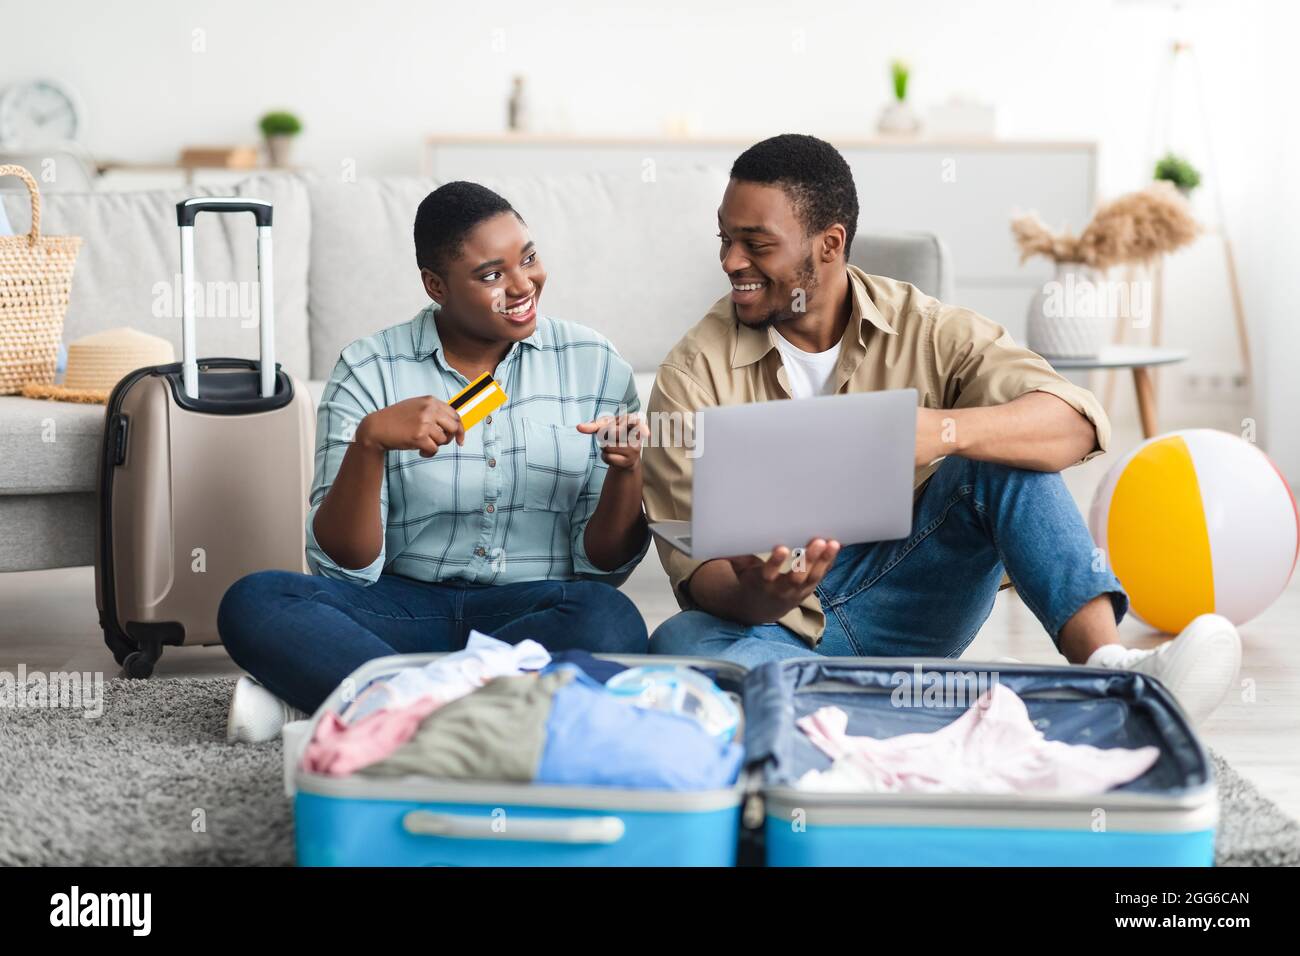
[[964, 191]]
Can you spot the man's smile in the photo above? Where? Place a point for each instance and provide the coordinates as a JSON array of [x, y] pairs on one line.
[[747, 291]]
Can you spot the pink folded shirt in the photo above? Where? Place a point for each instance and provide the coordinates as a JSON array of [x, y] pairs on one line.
[[339, 749], [992, 748], [387, 714]]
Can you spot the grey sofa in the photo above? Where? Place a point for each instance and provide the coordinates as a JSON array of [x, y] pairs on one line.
[[635, 260]]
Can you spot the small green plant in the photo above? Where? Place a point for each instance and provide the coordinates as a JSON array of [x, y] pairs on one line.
[[1178, 171], [280, 124], [900, 71]]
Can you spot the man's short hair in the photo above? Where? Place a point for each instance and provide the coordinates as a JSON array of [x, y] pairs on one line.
[[445, 218], [812, 173]]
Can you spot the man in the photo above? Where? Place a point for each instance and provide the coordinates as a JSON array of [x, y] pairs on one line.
[[995, 426], [419, 530]]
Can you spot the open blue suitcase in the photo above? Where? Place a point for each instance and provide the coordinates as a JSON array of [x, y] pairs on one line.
[[1164, 818], [1167, 817], [365, 821]]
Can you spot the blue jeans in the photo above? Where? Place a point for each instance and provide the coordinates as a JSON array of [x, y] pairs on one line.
[[300, 635], [927, 595]]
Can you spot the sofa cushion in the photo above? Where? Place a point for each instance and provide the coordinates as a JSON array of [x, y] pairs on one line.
[[128, 271], [48, 447], [635, 260]]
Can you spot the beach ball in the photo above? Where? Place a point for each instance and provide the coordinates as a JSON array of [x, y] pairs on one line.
[[1196, 522]]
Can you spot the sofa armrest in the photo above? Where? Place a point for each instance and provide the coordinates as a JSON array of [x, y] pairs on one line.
[[920, 258]]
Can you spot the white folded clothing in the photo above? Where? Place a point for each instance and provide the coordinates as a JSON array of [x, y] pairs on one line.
[[449, 678]]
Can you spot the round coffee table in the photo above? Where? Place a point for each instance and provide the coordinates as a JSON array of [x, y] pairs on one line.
[[1141, 359]]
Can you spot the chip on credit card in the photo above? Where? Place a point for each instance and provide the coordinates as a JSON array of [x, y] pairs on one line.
[[477, 400]]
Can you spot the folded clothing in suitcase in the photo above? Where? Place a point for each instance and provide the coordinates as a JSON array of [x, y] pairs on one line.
[[401, 817], [1166, 816]]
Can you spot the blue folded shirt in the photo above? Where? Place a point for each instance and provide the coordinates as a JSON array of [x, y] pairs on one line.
[[597, 739]]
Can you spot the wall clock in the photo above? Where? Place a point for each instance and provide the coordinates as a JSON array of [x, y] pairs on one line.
[[39, 113]]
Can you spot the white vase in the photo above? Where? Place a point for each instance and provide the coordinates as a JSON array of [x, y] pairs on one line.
[[1068, 316], [898, 119], [279, 148]]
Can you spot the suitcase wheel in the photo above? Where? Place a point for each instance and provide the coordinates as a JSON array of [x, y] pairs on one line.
[[147, 640], [139, 665]]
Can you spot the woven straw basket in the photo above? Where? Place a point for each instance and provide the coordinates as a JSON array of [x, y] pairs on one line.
[[35, 279]]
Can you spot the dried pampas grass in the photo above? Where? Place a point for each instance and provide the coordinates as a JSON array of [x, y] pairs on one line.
[[1133, 228]]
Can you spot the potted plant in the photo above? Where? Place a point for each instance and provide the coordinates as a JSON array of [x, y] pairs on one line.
[[1070, 316], [280, 128], [1173, 168], [898, 118]]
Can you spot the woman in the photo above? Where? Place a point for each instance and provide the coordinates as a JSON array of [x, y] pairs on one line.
[[421, 529]]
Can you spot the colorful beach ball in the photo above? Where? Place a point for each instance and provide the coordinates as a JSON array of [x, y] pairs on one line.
[[1195, 522]]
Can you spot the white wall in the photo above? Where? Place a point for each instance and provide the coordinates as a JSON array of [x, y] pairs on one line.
[[1264, 207], [371, 79]]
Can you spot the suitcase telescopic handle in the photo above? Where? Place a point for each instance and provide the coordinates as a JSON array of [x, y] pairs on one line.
[[572, 830], [186, 211]]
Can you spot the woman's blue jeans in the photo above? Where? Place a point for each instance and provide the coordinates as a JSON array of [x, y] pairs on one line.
[[300, 635], [928, 594]]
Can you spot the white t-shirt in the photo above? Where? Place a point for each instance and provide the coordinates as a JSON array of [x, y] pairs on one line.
[[809, 372]]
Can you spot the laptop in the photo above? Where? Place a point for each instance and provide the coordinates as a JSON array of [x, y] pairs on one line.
[[785, 472]]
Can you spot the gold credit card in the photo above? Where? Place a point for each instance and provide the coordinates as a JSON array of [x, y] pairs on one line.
[[477, 400]]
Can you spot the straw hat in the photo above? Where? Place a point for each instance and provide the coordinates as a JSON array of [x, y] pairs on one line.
[[98, 362]]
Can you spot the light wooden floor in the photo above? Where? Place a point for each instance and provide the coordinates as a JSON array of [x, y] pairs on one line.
[[48, 622]]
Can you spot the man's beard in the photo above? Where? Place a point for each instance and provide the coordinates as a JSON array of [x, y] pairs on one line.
[[806, 282]]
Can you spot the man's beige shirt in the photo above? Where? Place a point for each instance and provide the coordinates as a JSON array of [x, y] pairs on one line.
[[897, 337]]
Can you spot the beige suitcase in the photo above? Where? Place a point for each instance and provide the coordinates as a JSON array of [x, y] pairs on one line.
[[205, 469]]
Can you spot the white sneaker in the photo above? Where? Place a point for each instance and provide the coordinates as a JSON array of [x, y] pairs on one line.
[[256, 715], [1199, 666]]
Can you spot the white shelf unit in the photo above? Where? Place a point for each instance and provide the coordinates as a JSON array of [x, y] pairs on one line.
[[965, 191]]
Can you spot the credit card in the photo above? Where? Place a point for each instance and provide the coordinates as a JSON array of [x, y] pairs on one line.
[[477, 400]]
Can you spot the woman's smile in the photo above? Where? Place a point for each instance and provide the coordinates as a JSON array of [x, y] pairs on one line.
[[522, 311]]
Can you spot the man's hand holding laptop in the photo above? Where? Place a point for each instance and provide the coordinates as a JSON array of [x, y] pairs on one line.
[[773, 592]]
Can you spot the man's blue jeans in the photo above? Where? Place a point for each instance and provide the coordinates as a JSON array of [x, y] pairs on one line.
[[927, 595], [300, 635]]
